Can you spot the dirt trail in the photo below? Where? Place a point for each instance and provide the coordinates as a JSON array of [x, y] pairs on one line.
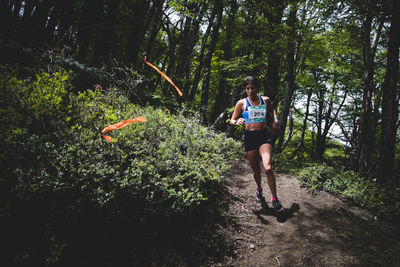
[[319, 229]]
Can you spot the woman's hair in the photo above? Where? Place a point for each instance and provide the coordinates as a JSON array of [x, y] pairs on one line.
[[256, 83], [252, 80]]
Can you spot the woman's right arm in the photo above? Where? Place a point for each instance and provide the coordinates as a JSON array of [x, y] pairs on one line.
[[236, 116]]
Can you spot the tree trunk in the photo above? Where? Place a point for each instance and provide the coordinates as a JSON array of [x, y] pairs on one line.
[[84, 29], [290, 131], [156, 25], [105, 46], [200, 60], [319, 145], [221, 102], [329, 121], [207, 61], [366, 133], [189, 39], [390, 101], [66, 19], [289, 79], [171, 56], [138, 30], [304, 128], [327, 118], [7, 19], [274, 15]]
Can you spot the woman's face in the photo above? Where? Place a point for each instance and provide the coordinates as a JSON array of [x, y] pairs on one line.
[[251, 90]]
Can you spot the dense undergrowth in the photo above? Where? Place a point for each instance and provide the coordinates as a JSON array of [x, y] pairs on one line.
[[58, 173], [383, 200]]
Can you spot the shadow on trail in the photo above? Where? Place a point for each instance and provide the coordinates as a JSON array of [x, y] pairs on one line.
[[280, 216], [339, 237]]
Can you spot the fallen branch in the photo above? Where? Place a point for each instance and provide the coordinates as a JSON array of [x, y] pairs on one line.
[[276, 258]]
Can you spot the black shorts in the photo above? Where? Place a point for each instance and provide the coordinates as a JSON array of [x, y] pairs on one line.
[[254, 139]]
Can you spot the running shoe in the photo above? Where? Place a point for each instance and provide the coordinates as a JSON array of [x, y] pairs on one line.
[[277, 205], [259, 196]]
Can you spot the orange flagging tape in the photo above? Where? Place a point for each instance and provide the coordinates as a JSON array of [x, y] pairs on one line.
[[165, 76], [120, 125], [109, 139]]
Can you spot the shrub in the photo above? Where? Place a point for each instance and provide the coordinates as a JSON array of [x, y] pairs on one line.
[[315, 176], [167, 165], [59, 174], [346, 184], [47, 96]]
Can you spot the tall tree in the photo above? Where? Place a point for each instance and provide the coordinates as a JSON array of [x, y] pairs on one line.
[[188, 40], [221, 102], [85, 29], [390, 100], [366, 132], [326, 119], [169, 28], [155, 25], [290, 76], [274, 13], [200, 60], [300, 145], [137, 20], [207, 60]]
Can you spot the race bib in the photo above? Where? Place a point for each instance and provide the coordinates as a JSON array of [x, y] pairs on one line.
[[257, 113]]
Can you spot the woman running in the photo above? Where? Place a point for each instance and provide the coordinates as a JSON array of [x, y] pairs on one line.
[[256, 113]]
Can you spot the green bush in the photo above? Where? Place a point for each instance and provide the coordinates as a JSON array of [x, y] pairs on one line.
[[59, 174], [315, 176], [169, 164], [346, 184], [49, 91]]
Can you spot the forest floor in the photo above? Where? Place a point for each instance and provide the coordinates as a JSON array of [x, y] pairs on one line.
[[317, 229]]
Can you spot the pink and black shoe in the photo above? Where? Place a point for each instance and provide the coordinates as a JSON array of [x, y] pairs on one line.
[[277, 205], [259, 196]]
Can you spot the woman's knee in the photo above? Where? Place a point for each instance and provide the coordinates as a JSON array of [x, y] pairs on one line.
[[267, 168]]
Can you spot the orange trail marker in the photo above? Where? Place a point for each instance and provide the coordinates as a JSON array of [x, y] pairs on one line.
[[108, 139], [120, 125], [165, 76]]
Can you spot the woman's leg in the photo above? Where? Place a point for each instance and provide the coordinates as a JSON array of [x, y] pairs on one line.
[[265, 152], [254, 159]]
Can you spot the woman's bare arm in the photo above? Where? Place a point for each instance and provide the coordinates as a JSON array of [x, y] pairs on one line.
[[236, 119]]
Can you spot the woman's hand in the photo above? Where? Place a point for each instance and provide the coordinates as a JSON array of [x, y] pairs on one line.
[[240, 121]]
